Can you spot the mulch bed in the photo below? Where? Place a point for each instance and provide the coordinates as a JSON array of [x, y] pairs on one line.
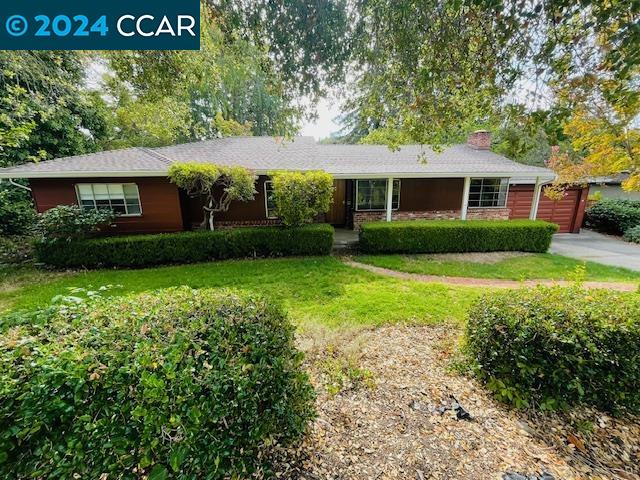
[[401, 427]]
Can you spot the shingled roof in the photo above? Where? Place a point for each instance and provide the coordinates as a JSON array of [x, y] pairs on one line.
[[264, 154]]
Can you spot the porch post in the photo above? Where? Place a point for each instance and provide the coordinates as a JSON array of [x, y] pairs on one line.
[[533, 213], [389, 198], [465, 198]]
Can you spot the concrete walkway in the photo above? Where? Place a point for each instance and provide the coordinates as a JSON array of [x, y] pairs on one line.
[[596, 247], [486, 282], [344, 239]]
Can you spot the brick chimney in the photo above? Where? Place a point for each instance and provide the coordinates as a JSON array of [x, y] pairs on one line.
[[480, 140]]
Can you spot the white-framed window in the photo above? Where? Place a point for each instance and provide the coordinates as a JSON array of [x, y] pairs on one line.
[[269, 203], [372, 194], [122, 198], [488, 192]]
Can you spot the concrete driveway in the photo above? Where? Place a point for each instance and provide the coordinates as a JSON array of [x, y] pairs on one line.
[[596, 247]]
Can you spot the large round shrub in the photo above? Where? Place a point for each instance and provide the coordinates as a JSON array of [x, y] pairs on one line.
[[552, 347], [613, 216], [65, 223], [179, 383]]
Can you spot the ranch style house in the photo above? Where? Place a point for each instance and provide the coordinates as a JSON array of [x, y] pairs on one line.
[[372, 182]]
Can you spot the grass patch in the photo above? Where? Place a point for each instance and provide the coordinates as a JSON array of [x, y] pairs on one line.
[[13, 278], [521, 267], [319, 290]]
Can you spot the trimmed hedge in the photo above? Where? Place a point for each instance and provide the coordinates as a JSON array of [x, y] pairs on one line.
[[552, 347], [177, 384], [445, 236], [613, 216], [187, 247]]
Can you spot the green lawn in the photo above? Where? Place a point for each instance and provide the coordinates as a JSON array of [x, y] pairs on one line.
[[524, 267], [318, 291]]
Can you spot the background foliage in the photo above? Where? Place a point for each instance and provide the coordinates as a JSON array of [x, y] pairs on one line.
[[614, 216], [17, 215]]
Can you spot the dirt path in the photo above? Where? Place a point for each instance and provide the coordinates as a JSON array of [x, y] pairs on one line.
[[394, 430], [486, 282]]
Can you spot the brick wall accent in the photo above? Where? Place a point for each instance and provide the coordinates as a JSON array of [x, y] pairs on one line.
[[488, 213], [479, 140], [246, 223], [361, 217]]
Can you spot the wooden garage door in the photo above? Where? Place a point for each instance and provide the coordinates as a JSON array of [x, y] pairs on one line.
[[519, 201], [562, 212], [567, 213]]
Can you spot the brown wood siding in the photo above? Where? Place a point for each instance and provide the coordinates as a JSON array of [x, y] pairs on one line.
[[568, 212], [159, 200], [421, 194], [238, 211]]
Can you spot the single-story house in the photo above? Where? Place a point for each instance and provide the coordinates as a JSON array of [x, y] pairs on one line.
[[372, 182]]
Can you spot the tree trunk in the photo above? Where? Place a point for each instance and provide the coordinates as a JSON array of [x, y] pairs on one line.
[[208, 215]]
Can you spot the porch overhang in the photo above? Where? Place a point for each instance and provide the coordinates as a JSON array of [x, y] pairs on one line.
[[519, 178]]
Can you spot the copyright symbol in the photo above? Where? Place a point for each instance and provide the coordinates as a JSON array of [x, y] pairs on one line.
[[16, 25]]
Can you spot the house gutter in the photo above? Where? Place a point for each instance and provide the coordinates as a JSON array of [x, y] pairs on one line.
[[11, 182], [346, 176], [513, 175], [83, 174]]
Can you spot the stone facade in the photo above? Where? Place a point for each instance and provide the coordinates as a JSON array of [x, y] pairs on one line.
[[361, 217], [246, 223], [488, 213], [472, 214]]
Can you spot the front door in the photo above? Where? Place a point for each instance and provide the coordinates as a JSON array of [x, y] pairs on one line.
[[337, 214]]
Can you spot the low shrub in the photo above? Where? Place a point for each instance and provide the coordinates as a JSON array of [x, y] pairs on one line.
[[188, 247], [177, 384], [552, 347], [613, 216], [632, 234], [65, 223], [443, 236]]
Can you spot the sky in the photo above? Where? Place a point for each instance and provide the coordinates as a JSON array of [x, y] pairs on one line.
[[328, 109]]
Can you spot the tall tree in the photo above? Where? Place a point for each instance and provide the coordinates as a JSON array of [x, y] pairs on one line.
[[229, 86], [428, 68], [432, 69], [45, 110], [592, 55], [308, 41]]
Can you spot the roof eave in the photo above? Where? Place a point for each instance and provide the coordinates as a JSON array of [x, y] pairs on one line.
[[83, 174], [544, 176], [154, 173]]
